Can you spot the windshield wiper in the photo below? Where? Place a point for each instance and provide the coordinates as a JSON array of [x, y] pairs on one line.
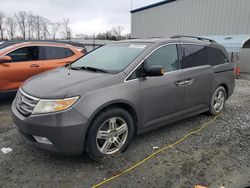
[[90, 69], [74, 68]]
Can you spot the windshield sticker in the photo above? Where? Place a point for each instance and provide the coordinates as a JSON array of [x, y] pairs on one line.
[[137, 46]]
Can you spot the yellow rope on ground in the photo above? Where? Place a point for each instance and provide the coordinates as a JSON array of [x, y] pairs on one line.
[[155, 153]]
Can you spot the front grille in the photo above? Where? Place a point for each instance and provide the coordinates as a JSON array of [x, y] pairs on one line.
[[25, 103]]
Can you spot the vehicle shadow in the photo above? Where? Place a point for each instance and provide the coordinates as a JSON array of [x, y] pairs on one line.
[[7, 99]]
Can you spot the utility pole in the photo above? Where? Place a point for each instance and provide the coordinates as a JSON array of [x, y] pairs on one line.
[[94, 41]]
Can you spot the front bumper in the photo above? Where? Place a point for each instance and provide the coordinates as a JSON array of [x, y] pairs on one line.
[[66, 130]]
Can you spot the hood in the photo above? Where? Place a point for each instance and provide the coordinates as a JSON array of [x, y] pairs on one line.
[[63, 82]]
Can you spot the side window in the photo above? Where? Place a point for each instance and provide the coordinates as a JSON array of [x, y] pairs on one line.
[[57, 52], [194, 55], [136, 74], [68, 52], [166, 56], [215, 57], [30, 53]]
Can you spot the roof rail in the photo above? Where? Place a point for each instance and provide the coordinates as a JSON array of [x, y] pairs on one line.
[[5, 44], [193, 37], [156, 37], [12, 42]]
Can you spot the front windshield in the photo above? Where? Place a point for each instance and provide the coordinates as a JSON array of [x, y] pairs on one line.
[[111, 57]]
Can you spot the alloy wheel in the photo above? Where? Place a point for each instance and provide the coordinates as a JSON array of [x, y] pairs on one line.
[[112, 135], [219, 100]]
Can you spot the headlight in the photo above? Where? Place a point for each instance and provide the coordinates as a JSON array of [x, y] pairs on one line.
[[46, 106]]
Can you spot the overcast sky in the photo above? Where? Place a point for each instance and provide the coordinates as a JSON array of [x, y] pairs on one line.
[[86, 16]]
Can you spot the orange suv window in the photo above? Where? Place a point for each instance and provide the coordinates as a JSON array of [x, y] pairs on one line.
[[57, 53], [25, 54]]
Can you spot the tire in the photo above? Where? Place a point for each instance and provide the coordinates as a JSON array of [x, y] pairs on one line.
[[110, 133], [218, 100]]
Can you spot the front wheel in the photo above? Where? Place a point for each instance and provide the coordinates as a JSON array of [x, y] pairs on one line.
[[109, 133], [218, 101]]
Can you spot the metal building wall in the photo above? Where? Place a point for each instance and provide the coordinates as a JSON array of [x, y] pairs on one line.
[[245, 60], [192, 17]]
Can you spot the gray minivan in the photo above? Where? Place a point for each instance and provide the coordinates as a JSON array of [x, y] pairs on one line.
[[98, 103]]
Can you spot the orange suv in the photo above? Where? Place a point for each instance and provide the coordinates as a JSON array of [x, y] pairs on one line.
[[19, 61]]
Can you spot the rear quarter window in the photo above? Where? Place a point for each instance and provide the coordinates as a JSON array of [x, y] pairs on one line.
[[68, 52], [57, 53], [215, 57]]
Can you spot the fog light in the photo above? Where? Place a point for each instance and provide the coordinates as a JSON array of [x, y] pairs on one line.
[[42, 140]]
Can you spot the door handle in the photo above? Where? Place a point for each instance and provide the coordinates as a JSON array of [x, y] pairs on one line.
[[180, 83], [184, 82], [189, 81], [34, 66]]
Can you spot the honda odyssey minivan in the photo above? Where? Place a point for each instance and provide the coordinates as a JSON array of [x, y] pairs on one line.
[[99, 102]]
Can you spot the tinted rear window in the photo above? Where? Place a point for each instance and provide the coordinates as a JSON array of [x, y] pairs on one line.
[[57, 53], [194, 55], [215, 57]]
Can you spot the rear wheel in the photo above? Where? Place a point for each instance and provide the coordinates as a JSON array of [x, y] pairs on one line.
[[110, 133], [218, 101]]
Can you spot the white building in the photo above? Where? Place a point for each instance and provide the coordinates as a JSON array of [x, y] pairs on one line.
[[219, 19]]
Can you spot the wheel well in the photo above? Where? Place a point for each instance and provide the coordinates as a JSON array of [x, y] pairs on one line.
[[124, 106], [226, 88]]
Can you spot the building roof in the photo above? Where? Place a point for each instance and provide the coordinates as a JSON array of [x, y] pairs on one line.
[[232, 43], [151, 6]]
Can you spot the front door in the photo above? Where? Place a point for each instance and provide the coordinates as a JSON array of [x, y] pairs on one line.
[[161, 96], [24, 64]]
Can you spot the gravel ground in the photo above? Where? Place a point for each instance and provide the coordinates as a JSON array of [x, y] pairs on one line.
[[219, 155]]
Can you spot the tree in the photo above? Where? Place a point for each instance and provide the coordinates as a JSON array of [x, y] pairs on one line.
[[31, 25], [21, 18], [38, 26], [55, 27], [101, 36], [66, 31], [45, 27], [127, 36], [11, 27], [2, 24], [117, 32], [108, 35]]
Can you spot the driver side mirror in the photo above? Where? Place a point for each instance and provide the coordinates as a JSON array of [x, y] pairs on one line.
[[5, 59], [154, 70]]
